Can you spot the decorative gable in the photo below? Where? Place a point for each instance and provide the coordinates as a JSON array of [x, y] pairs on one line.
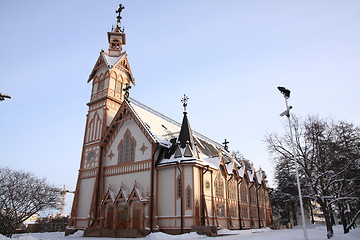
[[125, 113], [109, 198], [134, 195], [178, 153], [121, 197], [100, 62], [188, 152]]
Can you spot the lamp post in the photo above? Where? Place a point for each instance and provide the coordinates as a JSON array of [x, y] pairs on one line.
[[286, 93]]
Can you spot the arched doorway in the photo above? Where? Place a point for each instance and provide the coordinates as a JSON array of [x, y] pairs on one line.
[[123, 217], [109, 217], [136, 215]]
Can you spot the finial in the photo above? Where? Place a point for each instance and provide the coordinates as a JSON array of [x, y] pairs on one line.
[[127, 91], [184, 101], [226, 145]]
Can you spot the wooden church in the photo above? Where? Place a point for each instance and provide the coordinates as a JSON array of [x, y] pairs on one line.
[[142, 171]]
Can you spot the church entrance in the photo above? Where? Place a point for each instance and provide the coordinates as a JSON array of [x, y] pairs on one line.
[[197, 214], [123, 217], [136, 216], [110, 217]]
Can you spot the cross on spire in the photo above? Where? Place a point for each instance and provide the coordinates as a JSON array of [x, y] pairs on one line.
[[226, 147], [184, 101], [127, 91], [118, 21], [121, 7]]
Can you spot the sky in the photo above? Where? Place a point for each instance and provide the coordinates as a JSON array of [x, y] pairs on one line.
[[227, 56]]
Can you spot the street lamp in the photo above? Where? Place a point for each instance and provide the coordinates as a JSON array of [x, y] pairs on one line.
[[286, 93]]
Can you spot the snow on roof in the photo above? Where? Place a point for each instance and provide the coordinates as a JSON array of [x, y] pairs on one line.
[[212, 162], [251, 175], [241, 171], [230, 167]]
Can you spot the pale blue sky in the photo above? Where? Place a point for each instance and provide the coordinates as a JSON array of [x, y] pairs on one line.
[[227, 56]]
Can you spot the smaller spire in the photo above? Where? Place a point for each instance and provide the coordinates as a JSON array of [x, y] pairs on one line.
[[185, 135]]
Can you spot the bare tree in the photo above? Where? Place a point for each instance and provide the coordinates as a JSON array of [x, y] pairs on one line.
[[21, 195], [326, 153]]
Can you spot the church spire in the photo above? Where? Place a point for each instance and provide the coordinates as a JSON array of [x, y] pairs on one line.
[[116, 37], [185, 135]]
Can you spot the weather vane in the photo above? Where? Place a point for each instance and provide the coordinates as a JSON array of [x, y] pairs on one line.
[[184, 101], [226, 147], [127, 91]]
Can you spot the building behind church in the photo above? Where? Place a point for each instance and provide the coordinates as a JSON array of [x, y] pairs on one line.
[[143, 171]]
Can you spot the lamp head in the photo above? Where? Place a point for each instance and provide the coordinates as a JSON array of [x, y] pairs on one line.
[[284, 91]]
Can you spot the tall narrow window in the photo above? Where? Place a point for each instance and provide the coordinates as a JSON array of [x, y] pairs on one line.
[[253, 195], [188, 197], [243, 193], [219, 187], [179, 187], [126, 148]]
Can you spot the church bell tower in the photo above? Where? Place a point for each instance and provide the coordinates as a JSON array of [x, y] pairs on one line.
[[111, 79]]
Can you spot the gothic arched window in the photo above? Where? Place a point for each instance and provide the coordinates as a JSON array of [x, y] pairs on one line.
[[232, 190], [219, 187], [253, 195], [126, 148], [244, 193]]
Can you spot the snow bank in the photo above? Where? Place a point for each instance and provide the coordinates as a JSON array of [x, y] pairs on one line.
[[2, 237], [315, 233], [78, 234], [164, 236]]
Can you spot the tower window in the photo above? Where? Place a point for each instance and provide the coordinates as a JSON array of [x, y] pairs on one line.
[[100, 85], [118, 86], [91, 156]]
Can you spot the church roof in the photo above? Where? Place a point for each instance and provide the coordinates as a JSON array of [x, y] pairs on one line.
[[165, 129]]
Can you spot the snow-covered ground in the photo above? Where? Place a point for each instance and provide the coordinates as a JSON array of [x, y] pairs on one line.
[[315, 232]]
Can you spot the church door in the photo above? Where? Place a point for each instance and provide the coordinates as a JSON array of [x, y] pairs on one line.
[[136, 213], [123, 214], [197, 214], [110, 217]]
